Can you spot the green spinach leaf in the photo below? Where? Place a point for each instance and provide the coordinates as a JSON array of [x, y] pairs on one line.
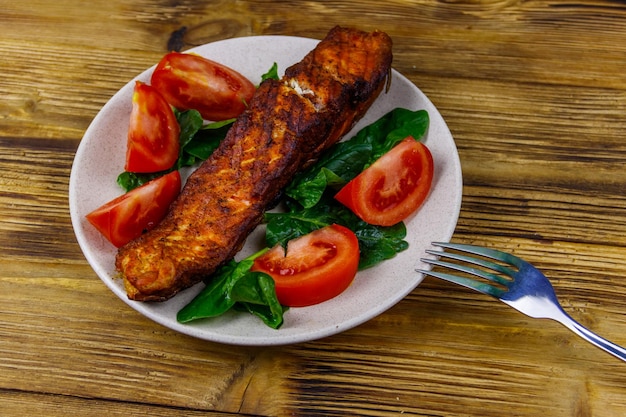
[[235, 286], [272, 73], [207, 139], [130, 180], [255, 293], [345, 160]]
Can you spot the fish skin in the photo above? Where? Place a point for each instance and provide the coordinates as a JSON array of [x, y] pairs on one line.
[[287, 125]]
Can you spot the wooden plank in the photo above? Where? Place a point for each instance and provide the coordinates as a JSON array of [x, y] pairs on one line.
[[23, 403], [535, 97]]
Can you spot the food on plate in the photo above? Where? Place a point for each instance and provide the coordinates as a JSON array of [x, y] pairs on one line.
[[190, 81], [287, 124], [310, 206], [314, 268], [152, 133], [393, 187], [128, 216]]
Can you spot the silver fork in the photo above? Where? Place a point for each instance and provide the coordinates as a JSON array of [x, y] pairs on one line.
[[519, 284]]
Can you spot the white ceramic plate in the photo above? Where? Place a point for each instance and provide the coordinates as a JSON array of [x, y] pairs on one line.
[[100, 158]]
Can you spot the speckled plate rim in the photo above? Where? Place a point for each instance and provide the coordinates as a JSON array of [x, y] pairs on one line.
[[100, 158]]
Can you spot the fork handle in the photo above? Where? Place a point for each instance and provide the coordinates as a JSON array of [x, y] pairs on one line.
[[590, 336]]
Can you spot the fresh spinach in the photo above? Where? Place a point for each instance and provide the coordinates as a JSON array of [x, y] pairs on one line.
[[204, 141], [235, 286], [345, 160], [272, 73], [130, 180]]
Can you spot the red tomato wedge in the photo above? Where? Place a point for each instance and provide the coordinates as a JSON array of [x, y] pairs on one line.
[[317, 266], [128, 216], [153, 134], [393, 187], [189, 81]]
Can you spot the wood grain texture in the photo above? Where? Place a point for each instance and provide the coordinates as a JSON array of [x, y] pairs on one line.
[[535, 96]]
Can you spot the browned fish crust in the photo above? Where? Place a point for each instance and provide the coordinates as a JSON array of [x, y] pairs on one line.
[[288, 123]]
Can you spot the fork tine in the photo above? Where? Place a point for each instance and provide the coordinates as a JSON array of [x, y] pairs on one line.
[[486, 252], [480, 262], [466, 282]]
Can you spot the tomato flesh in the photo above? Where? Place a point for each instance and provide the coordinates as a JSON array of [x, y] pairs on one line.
[[393, 187], [189, 81], [153, 133], [128, 216], [316, 267]]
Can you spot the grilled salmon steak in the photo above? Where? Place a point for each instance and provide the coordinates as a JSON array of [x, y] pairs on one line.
[[287, 124]]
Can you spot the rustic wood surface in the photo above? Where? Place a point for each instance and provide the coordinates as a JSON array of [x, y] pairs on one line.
[[534, 93]]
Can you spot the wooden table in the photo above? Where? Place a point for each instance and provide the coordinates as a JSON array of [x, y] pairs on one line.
[[535, 96]]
